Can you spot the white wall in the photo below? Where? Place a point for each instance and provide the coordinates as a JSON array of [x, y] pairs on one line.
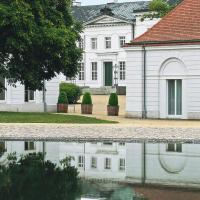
[[156, 57]]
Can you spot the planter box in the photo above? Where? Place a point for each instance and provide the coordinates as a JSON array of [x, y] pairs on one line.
[[62, 108], [113, 110], [86, 109]]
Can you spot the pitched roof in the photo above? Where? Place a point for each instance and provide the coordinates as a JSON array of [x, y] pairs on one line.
[[182, 24], [124, 10]]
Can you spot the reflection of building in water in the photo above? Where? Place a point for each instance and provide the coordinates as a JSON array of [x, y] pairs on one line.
[[171, 164]]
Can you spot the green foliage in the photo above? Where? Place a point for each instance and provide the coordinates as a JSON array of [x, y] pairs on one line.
[[73, 92], [113, 100], [87, 99], [62, 99], [30, 177], [159, 8], [38, 41]]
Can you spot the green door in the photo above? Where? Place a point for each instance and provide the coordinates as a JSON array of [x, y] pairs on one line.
[[108, 73]]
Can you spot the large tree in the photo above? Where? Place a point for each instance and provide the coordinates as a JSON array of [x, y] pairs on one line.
[[37, 41]]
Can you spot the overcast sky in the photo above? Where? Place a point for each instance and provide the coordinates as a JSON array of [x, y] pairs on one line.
[[92, 2]]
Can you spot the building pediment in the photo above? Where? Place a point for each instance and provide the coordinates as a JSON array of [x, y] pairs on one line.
[[106, 20]]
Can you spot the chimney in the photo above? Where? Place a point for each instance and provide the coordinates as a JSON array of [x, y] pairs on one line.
[[76, 3]]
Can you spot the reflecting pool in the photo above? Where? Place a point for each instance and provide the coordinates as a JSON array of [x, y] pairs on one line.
[[120, 171]]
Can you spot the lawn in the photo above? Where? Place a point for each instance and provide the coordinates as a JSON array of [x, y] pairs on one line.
[[13, 117]]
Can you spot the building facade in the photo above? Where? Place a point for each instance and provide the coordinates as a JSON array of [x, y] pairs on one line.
[[106, 29], [163, 74]]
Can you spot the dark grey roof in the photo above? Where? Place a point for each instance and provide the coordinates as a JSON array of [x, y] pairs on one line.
[[122, 10]]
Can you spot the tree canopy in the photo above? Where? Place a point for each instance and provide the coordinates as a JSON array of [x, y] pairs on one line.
[[159, 8], [30, 177], [37, 41]]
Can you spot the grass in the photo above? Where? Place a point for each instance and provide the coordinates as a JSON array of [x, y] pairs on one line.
[[14, 117]]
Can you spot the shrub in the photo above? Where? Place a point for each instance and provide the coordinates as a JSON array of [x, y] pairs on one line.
[[73, 92], [62, 99], [113, 100], [87, 99]]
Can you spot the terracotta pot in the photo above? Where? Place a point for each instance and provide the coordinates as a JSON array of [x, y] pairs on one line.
[[113, 110], [62, 108], [86, 109]]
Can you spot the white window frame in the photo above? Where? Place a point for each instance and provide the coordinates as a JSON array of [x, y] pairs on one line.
[[81, 75], [94, 43], [122, 70], [29, 143], [81, 43], [122, 164], [4, 92], [94, 71], [93, 162], [167, 100], [107, 164], [108, 42], [29, 100], [81, 161], [122, 41], [175, 148]]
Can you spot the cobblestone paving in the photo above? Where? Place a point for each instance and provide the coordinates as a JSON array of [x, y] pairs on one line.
[[82, 133]]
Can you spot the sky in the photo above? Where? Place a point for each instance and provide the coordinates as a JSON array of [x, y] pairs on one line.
[[92, 2]]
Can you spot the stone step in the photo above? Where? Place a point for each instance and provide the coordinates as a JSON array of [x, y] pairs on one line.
[[99, 91]]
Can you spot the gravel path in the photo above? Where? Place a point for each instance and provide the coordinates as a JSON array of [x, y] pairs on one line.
[[82, 133]]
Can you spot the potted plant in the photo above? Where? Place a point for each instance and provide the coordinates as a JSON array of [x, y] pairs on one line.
[[113, 107], [62, 105], [86, 106]]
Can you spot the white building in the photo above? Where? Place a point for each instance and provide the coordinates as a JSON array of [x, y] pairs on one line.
[[106, 29], [163, 67], [172, 164]]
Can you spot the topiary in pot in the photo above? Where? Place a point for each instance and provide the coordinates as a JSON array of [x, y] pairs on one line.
[[86, 106], [62, 105], [113, 107]]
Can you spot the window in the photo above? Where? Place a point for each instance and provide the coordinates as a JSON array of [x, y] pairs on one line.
[[94, 71], [122, 41], [81, 43], [2, 148], [108, 42], [122, 164], [107, 163], [93, 162], [94, 43], [29, 146], [108, 143], [122, 144], [174, 147], [122, 71], [81, 161], [2, 91], [175, 97], [81, 75], [29, 95]]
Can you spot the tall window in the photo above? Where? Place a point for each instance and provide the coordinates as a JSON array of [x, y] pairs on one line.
[[93, 162], [175, 97], [174, 147], [81, 75], [2, 91], [122, 41], [107, 163], [94, 43], [81, 161], [122, 71], [29, 146], [29, 95], [108, 42], [2, 148], [81, 43], [122, 164], [94, 71]]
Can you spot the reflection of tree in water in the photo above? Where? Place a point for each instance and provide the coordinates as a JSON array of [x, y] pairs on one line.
[[109, 191], [2, 148]]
